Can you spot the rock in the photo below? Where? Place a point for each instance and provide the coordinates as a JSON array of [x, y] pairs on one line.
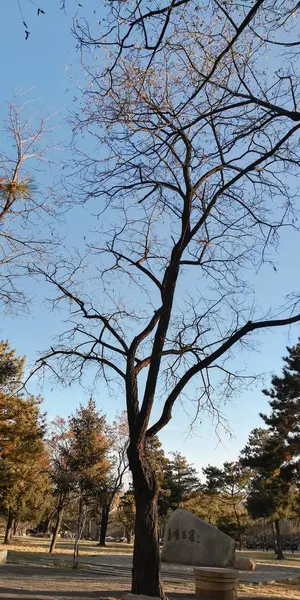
[[3, 557], [191, 541], [242, 563], [139, 597]]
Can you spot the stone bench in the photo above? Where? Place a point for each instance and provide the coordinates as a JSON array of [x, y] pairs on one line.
[[3, 557], [213, 583]]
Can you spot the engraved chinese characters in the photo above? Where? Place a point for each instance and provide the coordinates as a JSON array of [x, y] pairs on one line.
[[191, 541]]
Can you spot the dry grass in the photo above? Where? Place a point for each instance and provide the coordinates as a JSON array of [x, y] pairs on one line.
[[41, 546], [284, 591]]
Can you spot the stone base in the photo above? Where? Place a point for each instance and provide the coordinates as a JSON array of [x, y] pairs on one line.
[[216, 584], [3, 557]]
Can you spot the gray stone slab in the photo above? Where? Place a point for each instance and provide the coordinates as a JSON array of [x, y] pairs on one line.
[[191, 541]]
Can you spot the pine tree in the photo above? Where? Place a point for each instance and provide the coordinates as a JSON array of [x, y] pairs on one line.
[[11, 368], [22, 458], [273, 453], [182, 479], [229, 486], [270, 485], [284, 395], [126, 513], [87, 456]]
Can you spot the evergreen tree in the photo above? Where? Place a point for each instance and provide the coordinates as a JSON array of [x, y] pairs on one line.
[[22, 458], [229, 485], [270, 486], [126, 513], [11, 368], [284, 400], [273, 453], [87, 456], [181, 479]]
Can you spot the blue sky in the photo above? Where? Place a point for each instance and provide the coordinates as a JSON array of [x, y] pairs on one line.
[[49, 61]]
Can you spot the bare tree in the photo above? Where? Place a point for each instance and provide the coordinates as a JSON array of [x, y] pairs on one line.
[[24, 209], [117, 436], [194, 151]]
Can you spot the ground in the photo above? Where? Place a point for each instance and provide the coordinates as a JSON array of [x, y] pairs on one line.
[[33, 574]]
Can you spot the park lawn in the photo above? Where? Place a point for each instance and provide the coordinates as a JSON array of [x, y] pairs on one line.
[[32, 545]]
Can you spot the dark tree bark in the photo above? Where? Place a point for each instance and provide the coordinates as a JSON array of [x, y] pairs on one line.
[[146, 556], [8, 530], [57, 527], [280, 555], [104, 524]]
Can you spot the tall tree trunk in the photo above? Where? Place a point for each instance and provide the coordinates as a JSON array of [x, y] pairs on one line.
[[57, 527], [104, 524], [278, 540], [8, 530], [146, 556]]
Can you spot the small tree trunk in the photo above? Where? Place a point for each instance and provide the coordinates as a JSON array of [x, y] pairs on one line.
[[128, 536], [15, 527], [239, 528], [57, 527], [274, 537], [146, 557], [278, 540], [12, 530], [79, 531], [47, 522], [8, 530], [240, 541], [104, 524]]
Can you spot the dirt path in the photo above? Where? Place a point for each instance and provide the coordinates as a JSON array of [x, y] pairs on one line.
[[21, 582]]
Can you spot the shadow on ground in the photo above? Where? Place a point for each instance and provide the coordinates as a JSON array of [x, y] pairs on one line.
[[26, 582]]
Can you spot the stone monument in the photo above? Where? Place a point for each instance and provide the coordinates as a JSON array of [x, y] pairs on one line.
[[191, 541]]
